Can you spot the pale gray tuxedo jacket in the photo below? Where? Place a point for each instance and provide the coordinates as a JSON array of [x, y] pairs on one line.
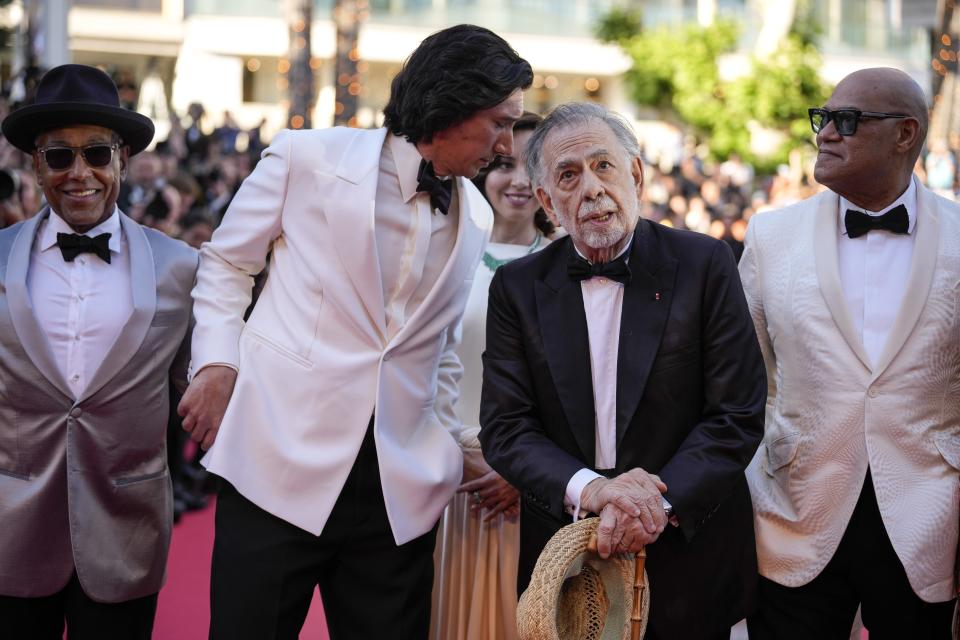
[[84, 483]]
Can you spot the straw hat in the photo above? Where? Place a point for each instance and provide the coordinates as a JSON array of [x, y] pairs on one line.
[[576, 595], [76, 94]]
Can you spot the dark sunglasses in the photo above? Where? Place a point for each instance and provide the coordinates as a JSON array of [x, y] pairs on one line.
[[62, 158], [846, 120]]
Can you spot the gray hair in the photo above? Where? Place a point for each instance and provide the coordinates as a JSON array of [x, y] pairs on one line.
[[575, 113]]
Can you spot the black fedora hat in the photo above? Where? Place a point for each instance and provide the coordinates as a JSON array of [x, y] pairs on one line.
[[76, 94]]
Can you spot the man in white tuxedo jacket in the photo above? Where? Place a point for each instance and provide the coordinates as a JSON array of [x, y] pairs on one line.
[[335, 444], [855, 294], [94, 327]]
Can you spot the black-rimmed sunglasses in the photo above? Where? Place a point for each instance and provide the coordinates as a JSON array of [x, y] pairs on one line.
[[845, 120], [62, 158]]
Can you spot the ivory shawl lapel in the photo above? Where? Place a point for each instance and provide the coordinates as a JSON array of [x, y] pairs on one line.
[[356, 193]]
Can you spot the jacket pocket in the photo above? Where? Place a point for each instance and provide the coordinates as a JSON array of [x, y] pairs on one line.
[[11, 474], [781, 452], [123, 482], [949, 447], [277, 349]]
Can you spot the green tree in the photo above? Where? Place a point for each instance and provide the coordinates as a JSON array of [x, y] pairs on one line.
[[778, 91], [676, 71]]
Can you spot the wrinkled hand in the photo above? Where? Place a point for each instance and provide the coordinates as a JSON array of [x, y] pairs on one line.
[[619, 532], [496, 495], [205, 402], [636, 494]]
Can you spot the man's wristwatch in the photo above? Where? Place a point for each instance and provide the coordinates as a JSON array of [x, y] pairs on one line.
[[668, 509]]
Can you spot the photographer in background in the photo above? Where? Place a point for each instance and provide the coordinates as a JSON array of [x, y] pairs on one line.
[[19, 198]]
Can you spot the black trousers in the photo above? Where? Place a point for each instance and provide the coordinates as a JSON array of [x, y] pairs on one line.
[[864, 571], [265, 569], [44, 618]]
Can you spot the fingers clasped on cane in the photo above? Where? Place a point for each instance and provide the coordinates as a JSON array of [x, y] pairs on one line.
[[631, 510]]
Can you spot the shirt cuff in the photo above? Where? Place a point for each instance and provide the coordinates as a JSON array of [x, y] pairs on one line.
[[571, 501], [191, 374]]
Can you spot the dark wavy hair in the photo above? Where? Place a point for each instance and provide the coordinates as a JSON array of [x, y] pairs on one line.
[[527, 122], [453, 74]]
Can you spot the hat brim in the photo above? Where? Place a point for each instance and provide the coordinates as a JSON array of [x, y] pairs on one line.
[[23, 126], [541, 606]]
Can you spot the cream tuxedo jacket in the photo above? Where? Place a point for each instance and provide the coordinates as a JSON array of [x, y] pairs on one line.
[[830, 414], [314, 358]]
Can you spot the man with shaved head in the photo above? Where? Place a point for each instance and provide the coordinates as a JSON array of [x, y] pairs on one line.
[[855, 294]]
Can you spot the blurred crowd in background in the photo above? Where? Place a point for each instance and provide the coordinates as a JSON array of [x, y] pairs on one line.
[[185, 183], [183, 186]]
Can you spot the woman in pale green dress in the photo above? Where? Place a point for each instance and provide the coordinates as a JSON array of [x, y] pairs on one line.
[[475, 587]]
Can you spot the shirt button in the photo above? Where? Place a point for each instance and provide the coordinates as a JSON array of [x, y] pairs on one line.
[[873, 393], [75, 377], [386, 357], [76, 412], [76, 337]]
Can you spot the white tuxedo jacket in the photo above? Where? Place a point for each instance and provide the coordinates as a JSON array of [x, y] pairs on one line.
[[830, 414], [314, 358]]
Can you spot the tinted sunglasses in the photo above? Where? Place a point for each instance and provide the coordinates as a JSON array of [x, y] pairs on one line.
[[846, 120], [62, 158]]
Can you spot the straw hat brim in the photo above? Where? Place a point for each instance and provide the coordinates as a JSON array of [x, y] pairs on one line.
[[571, 586]]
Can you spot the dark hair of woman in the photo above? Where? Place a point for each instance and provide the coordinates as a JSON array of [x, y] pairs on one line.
[[452, 75], [527, 122]]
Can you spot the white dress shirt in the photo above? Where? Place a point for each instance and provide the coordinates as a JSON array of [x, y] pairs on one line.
[[413, 242], [603, 306], [81, 305], [873, 273]]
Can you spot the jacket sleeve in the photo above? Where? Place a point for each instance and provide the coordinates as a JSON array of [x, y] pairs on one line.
[[511, 434], [449, 372], [237, 252], [712, 458]]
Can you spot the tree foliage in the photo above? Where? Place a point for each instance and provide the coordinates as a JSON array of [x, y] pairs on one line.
[[676, 69]]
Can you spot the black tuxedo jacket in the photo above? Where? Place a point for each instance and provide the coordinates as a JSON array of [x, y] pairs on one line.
[[691, 390]]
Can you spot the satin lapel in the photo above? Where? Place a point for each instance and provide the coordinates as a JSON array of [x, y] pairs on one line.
[[828, 272], [351, 221], [563, 329], [922, 265], [25, 323], [463, 259], [143, 283], [646, 306]]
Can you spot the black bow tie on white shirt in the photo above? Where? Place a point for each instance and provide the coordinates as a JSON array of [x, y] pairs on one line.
[[440, 190], [73, 244], [617, 269], [895, 220]]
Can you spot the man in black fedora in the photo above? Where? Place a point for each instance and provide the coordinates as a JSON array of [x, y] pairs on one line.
[[94, 311]]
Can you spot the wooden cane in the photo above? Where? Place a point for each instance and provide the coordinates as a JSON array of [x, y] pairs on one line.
[[639, 586]]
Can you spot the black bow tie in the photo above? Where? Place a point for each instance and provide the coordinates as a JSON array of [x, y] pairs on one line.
[[73, 244], [439, 190], [895, 220], [579, 269]]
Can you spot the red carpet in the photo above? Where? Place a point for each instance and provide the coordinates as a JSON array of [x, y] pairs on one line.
[[183, 612]]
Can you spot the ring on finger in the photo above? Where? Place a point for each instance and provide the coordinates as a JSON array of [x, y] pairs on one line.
[[477, 497]]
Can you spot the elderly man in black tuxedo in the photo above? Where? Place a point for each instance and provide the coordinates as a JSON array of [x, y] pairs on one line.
[[623, 377]]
